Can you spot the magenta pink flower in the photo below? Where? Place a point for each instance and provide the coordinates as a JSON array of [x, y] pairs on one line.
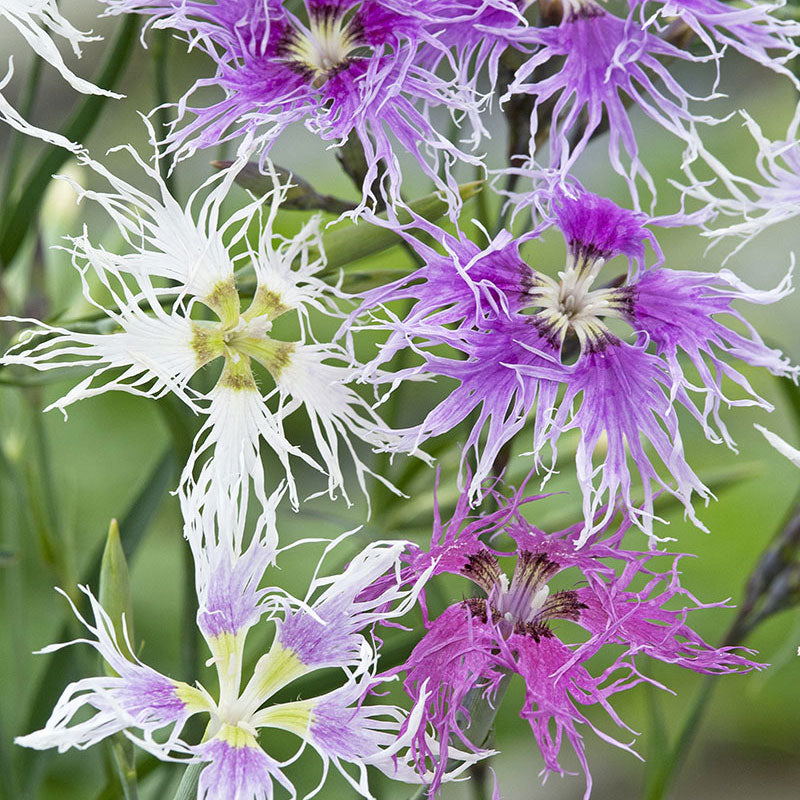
[[630, 600]]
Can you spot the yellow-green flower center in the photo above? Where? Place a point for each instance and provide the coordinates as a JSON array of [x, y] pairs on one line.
[[240, 336]]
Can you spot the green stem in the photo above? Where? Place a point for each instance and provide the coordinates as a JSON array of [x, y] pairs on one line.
[[187, 789], [670, 766], [122, 750]]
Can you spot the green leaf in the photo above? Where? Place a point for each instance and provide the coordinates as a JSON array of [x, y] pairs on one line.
[[16, 222], [188, 785], [62, 665]]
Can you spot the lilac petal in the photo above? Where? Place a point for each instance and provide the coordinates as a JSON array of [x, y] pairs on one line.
[[682, 311], [551, 707], [604, 57], [595, 227], [751, 29], [639, 621], [238, 768], [623, 397], [511, 369], [136, 697]]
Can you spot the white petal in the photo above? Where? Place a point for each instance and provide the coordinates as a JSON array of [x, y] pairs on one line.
[[155, 354], [238, 419], [783, 447], [30, 17], [334, 410]]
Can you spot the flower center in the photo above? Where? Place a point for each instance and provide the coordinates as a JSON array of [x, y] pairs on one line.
[[581, 9], [238, 336], [570, 305], [326, 45], [525, 605]]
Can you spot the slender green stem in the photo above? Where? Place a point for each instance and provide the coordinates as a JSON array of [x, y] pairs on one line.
[[668, 769], [187, 790], [124, 755], [111, 790]]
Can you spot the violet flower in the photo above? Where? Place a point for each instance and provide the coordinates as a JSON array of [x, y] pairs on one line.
[[342, 67], [515, 330]]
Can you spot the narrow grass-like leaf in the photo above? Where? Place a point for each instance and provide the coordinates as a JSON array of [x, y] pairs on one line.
[[17, 220], [350, 242]]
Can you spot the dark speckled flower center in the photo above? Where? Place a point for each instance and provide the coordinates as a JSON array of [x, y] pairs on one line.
[[525, 605], [571, 305]]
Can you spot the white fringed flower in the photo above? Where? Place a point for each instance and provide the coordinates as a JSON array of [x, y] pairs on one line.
[[38, 21], [176, 271]]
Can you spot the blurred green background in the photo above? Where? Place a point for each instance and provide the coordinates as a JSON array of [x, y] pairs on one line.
[[100, 460]]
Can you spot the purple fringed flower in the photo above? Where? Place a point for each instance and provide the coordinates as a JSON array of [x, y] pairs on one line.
[[331, 628], [610, 61], [343, 67], [604, 58], [520, 328], [522, 626]]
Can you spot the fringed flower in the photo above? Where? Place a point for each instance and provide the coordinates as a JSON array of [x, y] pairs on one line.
[[605, 58], [546, 354], [345, 68], [331, 629], [176, 261], [757, 204], [558, 608]]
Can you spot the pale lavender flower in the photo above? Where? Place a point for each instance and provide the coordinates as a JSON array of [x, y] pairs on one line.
[[629, 600], [330, 628], [37, 22], [342, 67], [157, 344], [519, 328]]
